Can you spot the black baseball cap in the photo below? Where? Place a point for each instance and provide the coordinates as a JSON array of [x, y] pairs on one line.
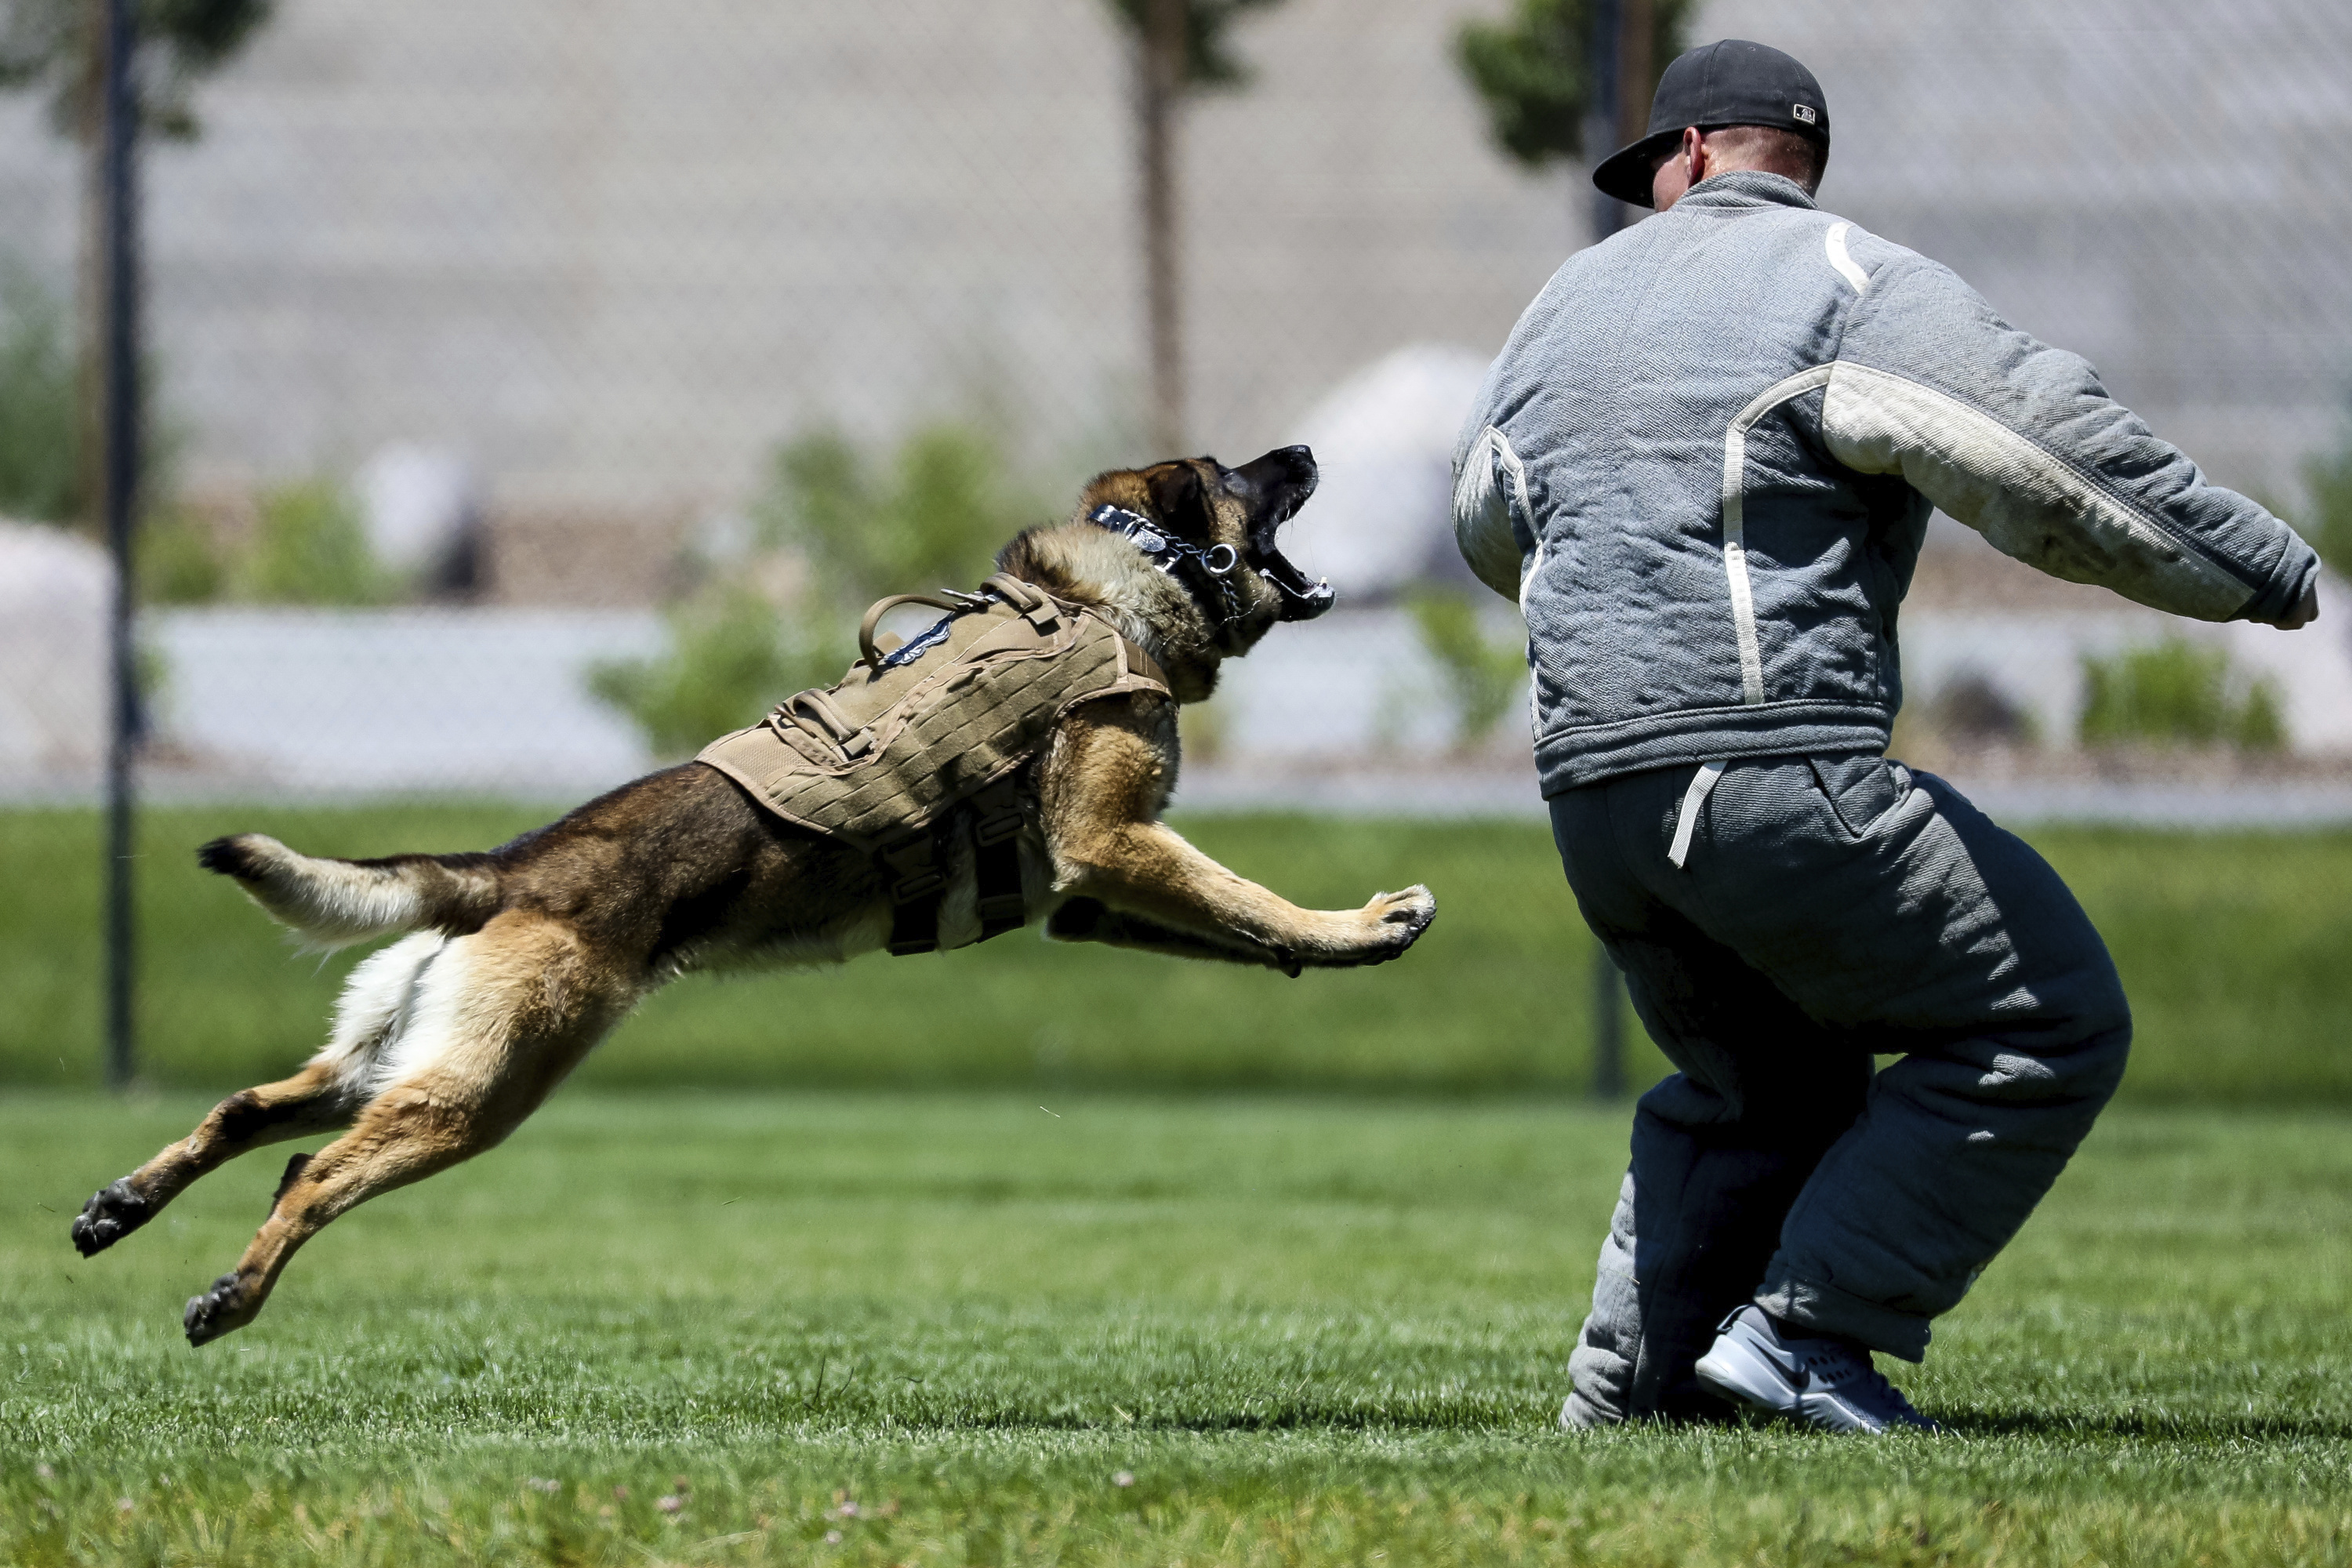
[[1729, 82]]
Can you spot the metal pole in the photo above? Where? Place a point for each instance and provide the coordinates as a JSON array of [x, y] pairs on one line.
[[1602, 114], [1608, 1028], [118, 298]]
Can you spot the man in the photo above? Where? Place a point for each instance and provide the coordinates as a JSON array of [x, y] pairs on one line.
[[1704, 464]]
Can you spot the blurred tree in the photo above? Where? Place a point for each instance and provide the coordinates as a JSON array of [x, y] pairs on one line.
[[1536, 71], [56, 44], [1180, 47], [59, 45]]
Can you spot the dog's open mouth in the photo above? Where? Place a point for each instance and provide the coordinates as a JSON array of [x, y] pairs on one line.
[[1301, 600]]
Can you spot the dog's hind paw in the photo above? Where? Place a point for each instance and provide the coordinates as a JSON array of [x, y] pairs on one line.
[[113, 1212], [228, 1305]]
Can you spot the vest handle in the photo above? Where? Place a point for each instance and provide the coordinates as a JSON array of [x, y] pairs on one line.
[[1033, 603], [872, 656]]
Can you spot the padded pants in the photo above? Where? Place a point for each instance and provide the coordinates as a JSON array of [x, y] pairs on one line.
[[1830, 909]]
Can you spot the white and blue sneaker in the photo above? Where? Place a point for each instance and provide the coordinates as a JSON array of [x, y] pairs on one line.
[[1818, 1379]]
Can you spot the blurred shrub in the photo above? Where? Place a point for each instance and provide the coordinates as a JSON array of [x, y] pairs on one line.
[[309, 546], [180, 560], [932, 514], [853, 526], [2328, 523], [1482, 675], [732, 656], [39, 472], [2177, 694]]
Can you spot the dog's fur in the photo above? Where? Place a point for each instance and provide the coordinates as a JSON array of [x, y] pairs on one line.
[[515, 962]]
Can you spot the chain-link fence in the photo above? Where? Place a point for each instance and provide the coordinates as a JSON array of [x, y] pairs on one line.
[[476, 333], [549, 289]]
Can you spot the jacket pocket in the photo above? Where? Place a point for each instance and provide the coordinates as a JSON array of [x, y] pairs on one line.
[[1860, 787]]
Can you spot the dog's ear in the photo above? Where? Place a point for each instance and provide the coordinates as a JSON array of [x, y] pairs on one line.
[[1116, 486], [1175, 492]]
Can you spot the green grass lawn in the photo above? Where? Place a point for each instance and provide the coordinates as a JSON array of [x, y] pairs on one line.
[[2234, 948], [875, 1329]]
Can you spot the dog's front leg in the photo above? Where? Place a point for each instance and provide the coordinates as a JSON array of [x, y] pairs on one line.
[[1090, 919], [1103, 783]]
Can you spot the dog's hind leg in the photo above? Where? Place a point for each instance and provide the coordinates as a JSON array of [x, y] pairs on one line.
[[321, 1097], [310, 1102], [500, 1018]]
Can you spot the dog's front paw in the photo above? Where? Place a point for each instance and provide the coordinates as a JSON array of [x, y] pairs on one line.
[[1396, 922], [113, 1212], [230, 1304], [1406, 914]]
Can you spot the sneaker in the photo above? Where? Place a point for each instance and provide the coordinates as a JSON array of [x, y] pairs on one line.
[[1818, 1379]]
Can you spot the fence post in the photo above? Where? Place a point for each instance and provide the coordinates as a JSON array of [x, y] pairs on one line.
[[119, 301]]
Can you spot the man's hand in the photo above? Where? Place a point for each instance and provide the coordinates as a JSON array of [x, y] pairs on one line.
[[2305, 612]]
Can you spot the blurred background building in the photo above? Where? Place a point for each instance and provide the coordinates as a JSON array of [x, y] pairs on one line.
[[502, 357]]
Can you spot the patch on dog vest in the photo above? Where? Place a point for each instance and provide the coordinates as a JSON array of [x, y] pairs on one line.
[[877, 760]]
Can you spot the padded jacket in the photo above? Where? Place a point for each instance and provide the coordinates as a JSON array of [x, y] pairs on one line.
[[1706, 459]]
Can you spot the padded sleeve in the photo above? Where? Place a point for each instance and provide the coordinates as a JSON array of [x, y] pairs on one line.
[[2020, 442], [1493, 524]]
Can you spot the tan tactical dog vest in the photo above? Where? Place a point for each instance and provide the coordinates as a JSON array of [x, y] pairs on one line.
[[878, 761]]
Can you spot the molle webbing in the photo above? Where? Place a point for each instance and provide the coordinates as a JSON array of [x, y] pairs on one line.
[[878, 760]]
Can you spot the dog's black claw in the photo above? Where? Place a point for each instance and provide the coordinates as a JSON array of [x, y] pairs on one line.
[[112, 1213], [212, 1314]]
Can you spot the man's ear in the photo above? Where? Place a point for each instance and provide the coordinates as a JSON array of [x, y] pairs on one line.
[[1175, 490]]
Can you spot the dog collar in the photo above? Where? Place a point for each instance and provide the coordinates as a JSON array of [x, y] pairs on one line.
[[1188, 563]]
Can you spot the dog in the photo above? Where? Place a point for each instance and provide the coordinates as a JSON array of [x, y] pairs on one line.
[[516, 961]]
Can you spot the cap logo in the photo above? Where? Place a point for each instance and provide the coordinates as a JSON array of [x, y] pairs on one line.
[[1804, 113]]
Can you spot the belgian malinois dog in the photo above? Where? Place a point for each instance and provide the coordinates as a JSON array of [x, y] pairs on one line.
[[518, 961]]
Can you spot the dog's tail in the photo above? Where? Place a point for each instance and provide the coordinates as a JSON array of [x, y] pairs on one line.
[[334, 903]]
